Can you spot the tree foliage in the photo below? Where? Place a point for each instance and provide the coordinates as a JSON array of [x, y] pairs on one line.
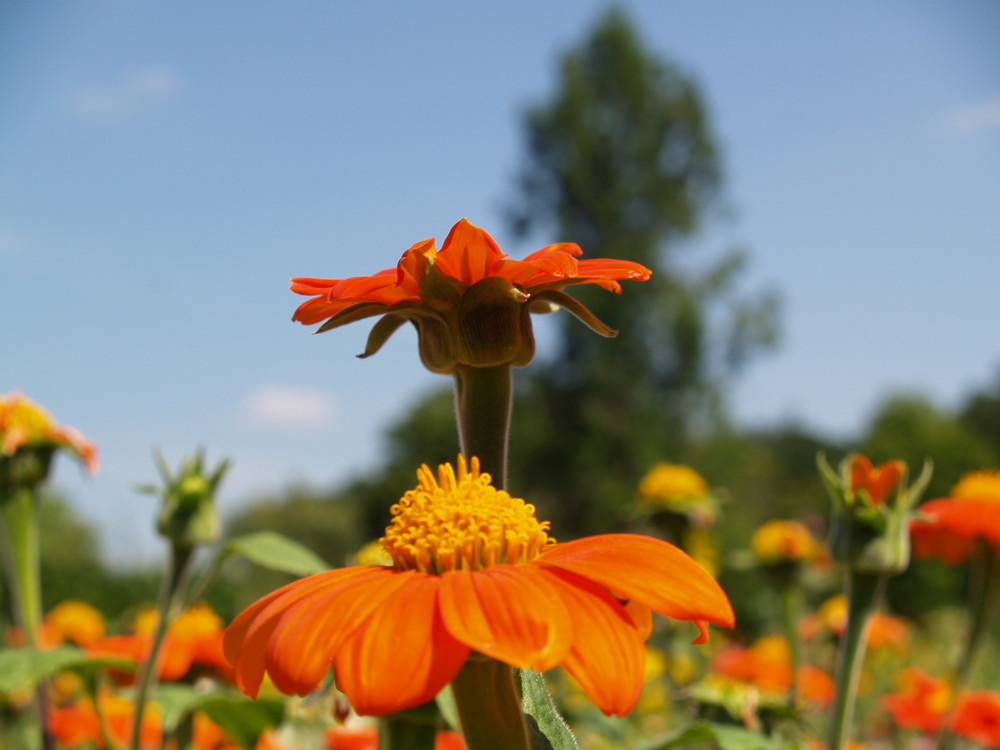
[[622, 160]]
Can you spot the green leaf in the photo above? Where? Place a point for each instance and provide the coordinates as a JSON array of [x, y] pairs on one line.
[[24, 668], [276, 552], [721, 736], [536, 701], [241, 718]]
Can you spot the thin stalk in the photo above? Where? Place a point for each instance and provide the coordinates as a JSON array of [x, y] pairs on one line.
[[171, 588], [863, 593], [199, 587], [483, 403], [790, 605], [489, 706], [23, 562], [93, 688], [984, 595], [20, 513]]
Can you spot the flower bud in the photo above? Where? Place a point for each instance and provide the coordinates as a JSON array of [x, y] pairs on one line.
[[872, 510], [188, 516]]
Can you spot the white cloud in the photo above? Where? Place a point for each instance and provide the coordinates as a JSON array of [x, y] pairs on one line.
[[125, 96], [974, 118], [287, 405]]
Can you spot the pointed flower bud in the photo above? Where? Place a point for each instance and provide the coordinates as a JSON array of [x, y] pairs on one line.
[[188, 516]]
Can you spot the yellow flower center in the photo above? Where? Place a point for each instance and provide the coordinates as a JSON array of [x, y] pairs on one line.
[[461, 522], [978, 485]]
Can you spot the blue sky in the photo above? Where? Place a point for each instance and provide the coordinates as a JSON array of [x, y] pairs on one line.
[[166, 167]]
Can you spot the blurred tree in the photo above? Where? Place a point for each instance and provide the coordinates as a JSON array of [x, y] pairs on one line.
[[622, 160], [981, 414], [912, 428]]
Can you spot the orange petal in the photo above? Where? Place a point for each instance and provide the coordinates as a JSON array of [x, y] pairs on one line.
[[648, 570], [306, 638], [608, 657], [413, 265], [176, 656], [246, 638], [403, 655], [468, 254], [508, 612]]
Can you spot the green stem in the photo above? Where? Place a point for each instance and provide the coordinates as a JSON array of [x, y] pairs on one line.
[[489, 706], [22, 559], [20, 513], [403, 732], [984, 595], [790, 605], [483, 404], [863, 593], [171, 590]]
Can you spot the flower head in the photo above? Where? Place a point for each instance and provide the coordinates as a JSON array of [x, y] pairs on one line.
[[872, 509], [27, 431], [194, 638], [874, 484], [76, 621], [678, 489], [780, 541], [469, 302], [473, 571], [883, 630], [767, 665], [947, 528], [920, 703], [977, 717]]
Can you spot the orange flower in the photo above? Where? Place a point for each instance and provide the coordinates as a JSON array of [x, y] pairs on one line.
[[365, 737], [473, 570], [195, 637], [883, 629], [815, 686], [977, 717], [948, 528], [781, 541], [25, 424], [877, 483], [78, 723], [76, 621], [469, 301], [767, 665], [920, 703]]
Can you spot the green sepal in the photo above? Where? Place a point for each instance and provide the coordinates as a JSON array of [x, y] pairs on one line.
[[380, 333], [548, 729], [578, 310], [353, 314], [188, 516]]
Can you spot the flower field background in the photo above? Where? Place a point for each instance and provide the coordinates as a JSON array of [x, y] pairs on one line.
[[572, 546]]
